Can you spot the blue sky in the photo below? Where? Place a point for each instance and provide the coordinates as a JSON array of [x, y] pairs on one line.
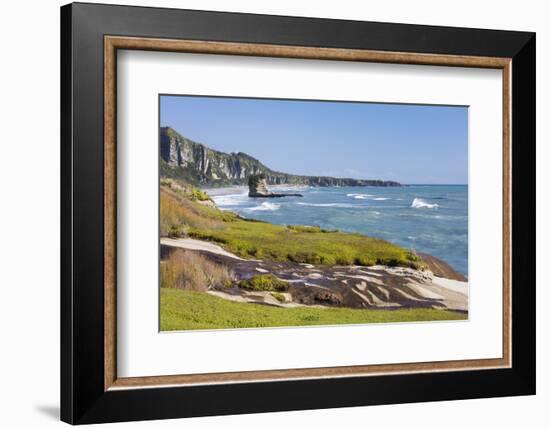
[[414, 144]]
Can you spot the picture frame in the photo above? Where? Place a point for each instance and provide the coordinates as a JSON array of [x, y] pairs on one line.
[[91, 390]]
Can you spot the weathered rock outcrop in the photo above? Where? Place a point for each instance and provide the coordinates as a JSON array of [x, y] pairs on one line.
[[440, 268], [200, 165], [257, 188], [373, 287]]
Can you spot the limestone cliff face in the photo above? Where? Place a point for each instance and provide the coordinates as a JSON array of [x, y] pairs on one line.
[[194, 162]]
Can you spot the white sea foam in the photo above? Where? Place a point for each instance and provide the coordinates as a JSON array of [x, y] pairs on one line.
[[359, 195], [421, 203], [336, 205], [265, 206], [230, 200], [366, 196]]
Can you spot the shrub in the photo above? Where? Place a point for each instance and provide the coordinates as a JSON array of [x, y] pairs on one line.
[[189, 270], [310, 318], [364, 261], [264, 282], [207, 236], [309, 229], [305, 257], [177, 231], [199, 195], [280, 297], [306, 229], [255, 252]]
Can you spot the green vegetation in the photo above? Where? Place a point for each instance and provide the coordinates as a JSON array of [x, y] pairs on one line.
[[272, 242], [179, 214], [184, 190], [173, 218], [182, 214], [189, 310], [186, 211], [191, 271], [267, 282], [279, 296], [199, 195], [310, 229]]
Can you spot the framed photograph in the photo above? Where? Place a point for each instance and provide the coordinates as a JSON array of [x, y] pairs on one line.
[[266, 213]]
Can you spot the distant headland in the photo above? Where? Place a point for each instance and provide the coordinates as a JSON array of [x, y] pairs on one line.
[[182, 158]]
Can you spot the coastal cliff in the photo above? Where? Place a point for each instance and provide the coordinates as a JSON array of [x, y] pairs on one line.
[[198, 164]]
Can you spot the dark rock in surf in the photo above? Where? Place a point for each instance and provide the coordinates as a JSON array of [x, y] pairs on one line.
[[257, 188]]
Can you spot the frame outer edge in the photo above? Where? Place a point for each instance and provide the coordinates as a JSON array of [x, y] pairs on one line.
[[524, 217], [82, 400], [298, 30], [66, 304]]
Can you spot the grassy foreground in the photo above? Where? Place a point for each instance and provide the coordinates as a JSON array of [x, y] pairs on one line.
[[182, 214], [192, 310]]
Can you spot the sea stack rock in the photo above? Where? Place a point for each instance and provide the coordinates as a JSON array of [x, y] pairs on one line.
[[257, 188]]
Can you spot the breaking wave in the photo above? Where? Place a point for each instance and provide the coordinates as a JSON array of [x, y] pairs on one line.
[[265, 206], [359, 195], [366, 196], [230, 200], [421, 203], [336, 205]]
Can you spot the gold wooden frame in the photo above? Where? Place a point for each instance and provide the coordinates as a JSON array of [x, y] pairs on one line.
[[113, 43]]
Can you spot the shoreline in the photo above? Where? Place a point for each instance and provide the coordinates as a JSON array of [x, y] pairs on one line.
[[221, 191], [436, 264]]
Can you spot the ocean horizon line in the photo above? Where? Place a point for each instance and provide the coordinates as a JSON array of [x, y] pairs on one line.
[[433, 184], [402, 184]]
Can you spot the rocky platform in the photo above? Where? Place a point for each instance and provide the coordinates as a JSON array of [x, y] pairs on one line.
[[375, 287]]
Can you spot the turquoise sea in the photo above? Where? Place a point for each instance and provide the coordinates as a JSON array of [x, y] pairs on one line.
[[428, 218]]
